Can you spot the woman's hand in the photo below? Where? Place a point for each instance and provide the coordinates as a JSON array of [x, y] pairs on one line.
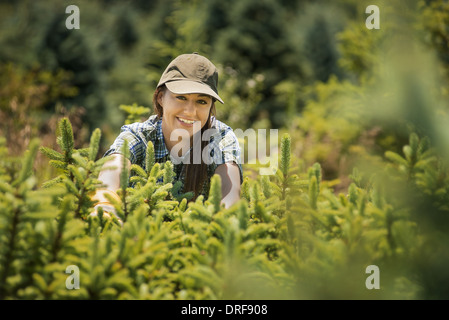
[[105, 204], [111, 182]]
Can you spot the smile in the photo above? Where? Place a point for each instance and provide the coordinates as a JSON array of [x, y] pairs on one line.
[[186, 121]]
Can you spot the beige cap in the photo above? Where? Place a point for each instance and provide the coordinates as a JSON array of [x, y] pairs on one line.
[[191, 73]]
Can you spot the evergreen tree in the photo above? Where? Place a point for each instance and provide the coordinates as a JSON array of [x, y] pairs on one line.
[[66, 49], [255, 42]]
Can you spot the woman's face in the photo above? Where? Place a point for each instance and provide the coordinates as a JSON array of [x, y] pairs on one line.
[[183, 111]]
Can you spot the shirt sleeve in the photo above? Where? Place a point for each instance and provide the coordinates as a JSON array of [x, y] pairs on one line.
[[136, 144], [226, 149]]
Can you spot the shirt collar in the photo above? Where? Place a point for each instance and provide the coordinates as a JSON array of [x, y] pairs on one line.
[[162, 148], [159, 134]]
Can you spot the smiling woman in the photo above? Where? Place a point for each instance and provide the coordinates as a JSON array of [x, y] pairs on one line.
[[183, 130]]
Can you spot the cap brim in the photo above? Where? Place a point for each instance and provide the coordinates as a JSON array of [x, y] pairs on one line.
[[188, 86]]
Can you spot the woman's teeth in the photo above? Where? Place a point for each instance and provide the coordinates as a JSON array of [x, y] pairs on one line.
[[186, 121]]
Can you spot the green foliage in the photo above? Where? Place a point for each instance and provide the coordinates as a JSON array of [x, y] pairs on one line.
[[134, 113], [297, 234], [78, 166], [24, 95], [289, 237], [107, 62], [435, 15]]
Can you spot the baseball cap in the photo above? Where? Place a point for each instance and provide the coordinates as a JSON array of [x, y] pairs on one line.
[[191, 73]]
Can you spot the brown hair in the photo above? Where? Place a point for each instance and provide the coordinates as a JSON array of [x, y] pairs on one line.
[[196, 174]]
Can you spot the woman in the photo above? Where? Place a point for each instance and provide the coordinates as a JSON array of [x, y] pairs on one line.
[[183, 130]]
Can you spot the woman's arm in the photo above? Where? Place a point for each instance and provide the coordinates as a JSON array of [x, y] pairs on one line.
[[230, 183], [111, 181], [111, 177]]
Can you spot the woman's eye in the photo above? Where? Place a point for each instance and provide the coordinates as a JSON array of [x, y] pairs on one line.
[[181, 97], [202, 102]]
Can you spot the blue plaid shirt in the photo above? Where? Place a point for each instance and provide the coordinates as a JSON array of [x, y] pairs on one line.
[[223, 147]]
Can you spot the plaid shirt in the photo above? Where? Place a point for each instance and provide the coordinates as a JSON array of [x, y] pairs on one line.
[[223, 146]]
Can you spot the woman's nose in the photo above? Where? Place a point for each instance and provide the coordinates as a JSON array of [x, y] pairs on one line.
[[189, 108]]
